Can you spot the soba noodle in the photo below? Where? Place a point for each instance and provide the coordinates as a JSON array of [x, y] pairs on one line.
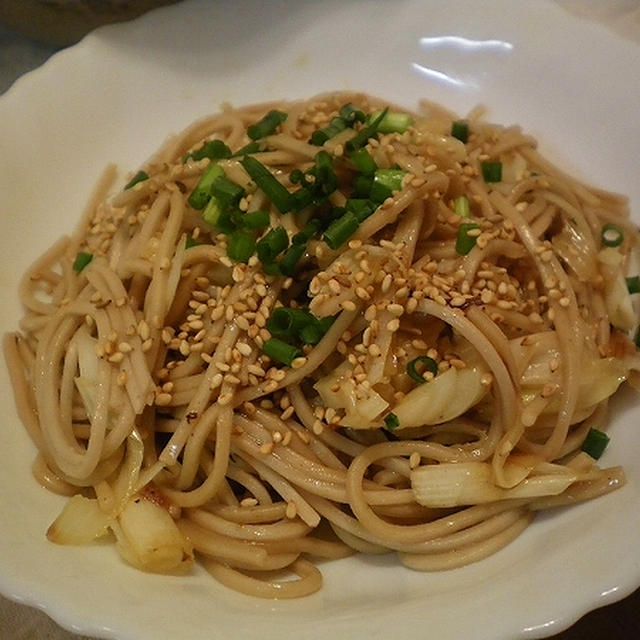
[[367, 331]]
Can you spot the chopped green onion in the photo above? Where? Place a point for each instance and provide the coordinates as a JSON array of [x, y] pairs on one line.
[[141, 176], [340, 230], [255, 219], [202, 192], [301, 198], [491, 171], [361, 138], [364, 162], [267, 125], [333, 214], [325, 179], [460, 130], [290, 259], [465, 242], [274, 242], [212, 149], [391, 421], [362, 208], [392, 122], [595, 443], [385, 182], [271, 268], [320, 136], [461, 206], [314, 332], [351, 114], [426, 364], [212, 212], [274, 190], [287, 322], [611, 235], [241, 246], [362, 186], [252, 147], [633, 284], [82, 260], [310, 229], [637, 338], [227, 191], [281, 351]]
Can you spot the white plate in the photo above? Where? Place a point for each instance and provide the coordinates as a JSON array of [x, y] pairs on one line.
[[116, 95]]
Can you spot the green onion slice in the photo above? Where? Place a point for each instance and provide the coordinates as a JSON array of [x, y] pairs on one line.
[[82, 260], [255, 220], [491, 171], [290, 259], [281, 351], [267, 125], [392, 122], [141, 176], [633, 284], [251, 147], [289, 322], [202, 192], [227, 191], [385, 182], [307, 232], [460, 130], [611, 235], [274, 190], [364, 162], [320, 136], [391, 421], [212, 149], [361, 207], [419, 365], [340, 230], [465, 242], [362, 186], [351, 114], [274, 242], [595, 443], [314, 332], [361, 138], [241, 246]]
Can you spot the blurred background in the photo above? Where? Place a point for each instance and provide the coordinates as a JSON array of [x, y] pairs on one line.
[[57, 23]]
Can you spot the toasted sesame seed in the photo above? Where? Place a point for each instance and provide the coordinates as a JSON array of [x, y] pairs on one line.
[[163, 399], [216, 381]]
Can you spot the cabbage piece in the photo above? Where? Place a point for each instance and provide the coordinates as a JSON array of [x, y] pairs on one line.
[[443, 398], [599, 377], [362, 405], [455, 484], [81, 521], [616, 294], [149, 539]]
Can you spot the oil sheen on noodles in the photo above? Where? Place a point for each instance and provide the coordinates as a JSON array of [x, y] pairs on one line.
[[310, 329]]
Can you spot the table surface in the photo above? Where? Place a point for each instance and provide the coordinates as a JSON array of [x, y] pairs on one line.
[[621, 620]]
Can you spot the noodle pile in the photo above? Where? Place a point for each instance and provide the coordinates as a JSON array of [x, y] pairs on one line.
[[414, 372]]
